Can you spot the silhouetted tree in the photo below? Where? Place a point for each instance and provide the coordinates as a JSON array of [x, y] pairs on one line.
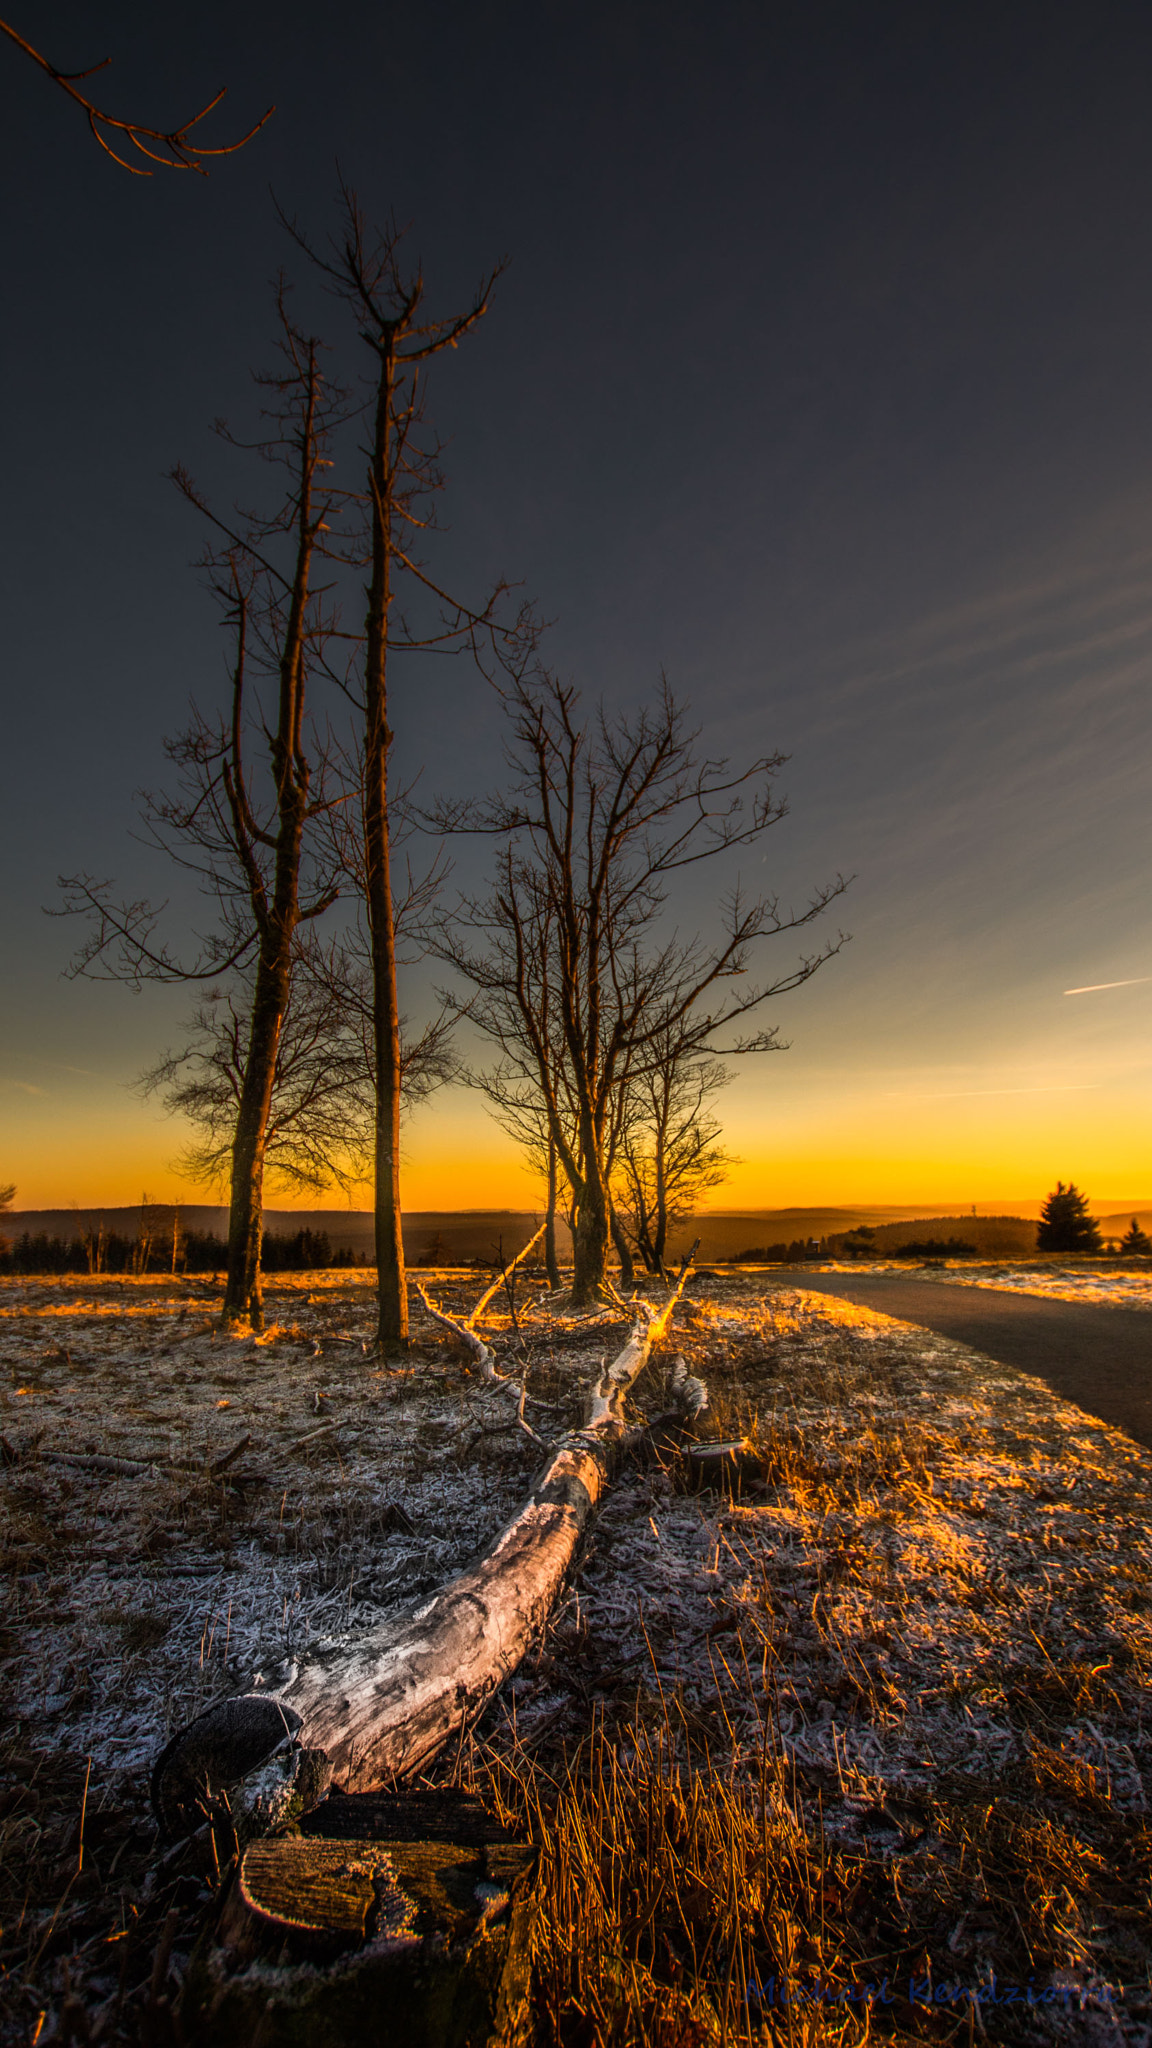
[[668, 1154], [575, 979], [1136, 1241], [322, 1109], [402, 475], [241, 827], [1065, 1225]]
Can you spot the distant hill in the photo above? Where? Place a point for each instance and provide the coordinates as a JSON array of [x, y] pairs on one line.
[[1115, 1222], [454, 1235], [460, 1233], [993, 1237]]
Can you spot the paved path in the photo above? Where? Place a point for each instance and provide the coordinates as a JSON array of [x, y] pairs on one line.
[[1097, 1356]]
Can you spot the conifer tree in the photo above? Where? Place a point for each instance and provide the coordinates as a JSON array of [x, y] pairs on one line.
[[1065, 1225], [1136, 1241]]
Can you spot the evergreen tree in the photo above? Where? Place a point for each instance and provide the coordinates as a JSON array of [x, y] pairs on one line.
[[1136, 1240], [1065, 1225]]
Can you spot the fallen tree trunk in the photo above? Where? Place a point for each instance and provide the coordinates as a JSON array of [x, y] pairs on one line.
[[374, 1712], [383, 1708]]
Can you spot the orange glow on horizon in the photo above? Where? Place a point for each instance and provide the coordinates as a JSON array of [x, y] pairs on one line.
[[927, 1137]]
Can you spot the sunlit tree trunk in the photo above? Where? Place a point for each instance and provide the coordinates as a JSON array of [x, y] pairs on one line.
[[392, 1308], [551, 1262]]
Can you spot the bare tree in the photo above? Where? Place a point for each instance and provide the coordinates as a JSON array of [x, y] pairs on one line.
[[173, 148], [402, 476], [321, 1118], [574, 969], [667, 1155], [242, 832]]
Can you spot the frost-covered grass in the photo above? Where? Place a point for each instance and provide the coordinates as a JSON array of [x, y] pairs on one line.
[[884, 1716], [1115, 1285]]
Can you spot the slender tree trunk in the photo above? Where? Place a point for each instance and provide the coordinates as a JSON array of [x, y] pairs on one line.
[[243, 1298], [623, 1252], [392, 1315], [550, 1260], [644, 1228], [392, 1319], [278, 918], [660, 1239]]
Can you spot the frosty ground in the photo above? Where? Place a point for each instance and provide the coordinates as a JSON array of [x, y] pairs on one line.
[[928, 1623], [1111, 1284]]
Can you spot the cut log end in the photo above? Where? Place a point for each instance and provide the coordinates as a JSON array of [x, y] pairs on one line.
[[322, 1935], [229, 1742]]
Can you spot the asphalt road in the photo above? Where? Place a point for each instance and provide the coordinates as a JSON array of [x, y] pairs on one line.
[[1099, 1357]]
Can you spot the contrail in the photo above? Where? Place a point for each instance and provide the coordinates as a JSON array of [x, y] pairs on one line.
[[1093, 986], [1052, 1088]]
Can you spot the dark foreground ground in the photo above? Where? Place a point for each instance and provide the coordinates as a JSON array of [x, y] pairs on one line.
[[862, 1753]]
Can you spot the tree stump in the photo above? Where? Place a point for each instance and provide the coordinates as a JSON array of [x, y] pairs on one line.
[[379, 1920], [724, 1467]]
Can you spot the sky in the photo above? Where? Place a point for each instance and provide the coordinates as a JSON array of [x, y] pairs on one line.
[[818, 377]]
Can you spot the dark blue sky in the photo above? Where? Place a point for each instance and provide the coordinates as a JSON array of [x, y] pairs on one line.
[[821, 375]]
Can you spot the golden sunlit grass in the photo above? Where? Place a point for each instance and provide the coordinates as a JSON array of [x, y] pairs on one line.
[[918, 1756], [672, 1894], [883, 1717]]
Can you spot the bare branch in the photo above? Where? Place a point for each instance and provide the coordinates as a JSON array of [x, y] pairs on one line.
[[172, 148]]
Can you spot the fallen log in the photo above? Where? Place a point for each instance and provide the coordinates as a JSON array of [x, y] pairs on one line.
[[374, 1712], [131, 1468], [381, 1709]]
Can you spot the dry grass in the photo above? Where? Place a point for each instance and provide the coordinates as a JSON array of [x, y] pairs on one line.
[[882, 1718], [909, 1675], [677, 1898]]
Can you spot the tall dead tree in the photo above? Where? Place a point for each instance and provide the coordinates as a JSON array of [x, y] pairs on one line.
[[401, 477], [574, 968], [242, 833]]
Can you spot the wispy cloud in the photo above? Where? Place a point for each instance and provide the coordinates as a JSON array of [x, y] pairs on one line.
[[25, 1087]]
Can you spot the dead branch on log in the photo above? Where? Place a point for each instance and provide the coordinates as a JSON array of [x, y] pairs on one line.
[[475, 1346], [376, 1711], [505, 1273], [479, 1352]]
